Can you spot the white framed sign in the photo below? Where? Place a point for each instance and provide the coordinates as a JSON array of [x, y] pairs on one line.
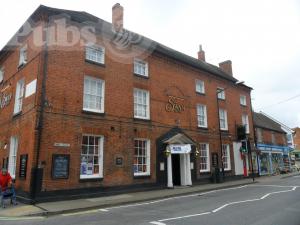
[[180, 149]]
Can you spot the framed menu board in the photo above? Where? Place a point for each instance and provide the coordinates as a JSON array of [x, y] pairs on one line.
[[60, 166], [23, 166]]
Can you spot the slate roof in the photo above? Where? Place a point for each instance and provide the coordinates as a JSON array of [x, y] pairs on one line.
[[265, 122], [86, 18]]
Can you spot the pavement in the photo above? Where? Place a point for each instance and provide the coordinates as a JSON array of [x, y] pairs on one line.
[[78, 205]]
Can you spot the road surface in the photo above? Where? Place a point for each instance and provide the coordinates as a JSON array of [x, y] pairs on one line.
[[266, 203]]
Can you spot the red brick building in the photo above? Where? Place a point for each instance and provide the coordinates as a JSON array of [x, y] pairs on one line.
[[272, 144], [88, 106]]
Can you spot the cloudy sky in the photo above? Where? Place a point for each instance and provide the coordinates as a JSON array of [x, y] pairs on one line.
[[261, 37]]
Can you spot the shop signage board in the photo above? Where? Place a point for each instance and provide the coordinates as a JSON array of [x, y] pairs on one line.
[[62, 145], [60, 166]]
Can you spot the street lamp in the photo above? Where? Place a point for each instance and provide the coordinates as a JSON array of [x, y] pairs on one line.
[[220, 133]]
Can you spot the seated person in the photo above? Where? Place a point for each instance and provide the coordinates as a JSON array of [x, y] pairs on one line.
[[6, 186]]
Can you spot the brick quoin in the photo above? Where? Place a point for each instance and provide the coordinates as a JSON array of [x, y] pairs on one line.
[[64, 120]]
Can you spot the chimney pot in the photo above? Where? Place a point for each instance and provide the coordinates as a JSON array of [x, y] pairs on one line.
[[201, 54], [226, 66], [117, 17]]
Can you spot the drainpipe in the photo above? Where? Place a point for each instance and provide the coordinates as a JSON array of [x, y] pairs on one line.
[[255, 142], [34, 181]]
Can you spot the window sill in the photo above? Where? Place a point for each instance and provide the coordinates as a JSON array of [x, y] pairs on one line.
[[221, 99], [21, 66], [15, 115], [205, 172], [141, 176], [96, 179], [200, 93], [95, 63], [142, 119], [141, 76], [202, 128], [243, 105], [224, 130], [93, 113]]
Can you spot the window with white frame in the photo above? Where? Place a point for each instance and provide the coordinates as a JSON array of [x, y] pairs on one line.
[[23, 56], [141, 104], [243, 100], [200, 88], [223, 119], [95, 53], [141, 160], [140, 67], [226, 156], [273, 137], [1, 74], [93, 94], [245, 122], [204, 157], [221, 93], [19, 96], [201, 115], [12, 162], [91, 157], [259, 135]]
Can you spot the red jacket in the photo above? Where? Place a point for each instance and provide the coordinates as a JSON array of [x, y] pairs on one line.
[[4, 181]]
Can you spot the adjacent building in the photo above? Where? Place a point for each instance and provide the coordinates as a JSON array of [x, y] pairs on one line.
[[271, 141], [88, 107], [296, 151]]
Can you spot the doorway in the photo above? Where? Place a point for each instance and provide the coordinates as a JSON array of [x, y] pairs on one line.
[[176, 169]]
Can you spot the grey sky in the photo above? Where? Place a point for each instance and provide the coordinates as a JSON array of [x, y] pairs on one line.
[[261, 37]]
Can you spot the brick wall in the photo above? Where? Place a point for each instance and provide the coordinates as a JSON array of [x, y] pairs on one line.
[[65, 122]]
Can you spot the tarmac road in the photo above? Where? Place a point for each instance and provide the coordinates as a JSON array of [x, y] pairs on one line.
[[267, 203]]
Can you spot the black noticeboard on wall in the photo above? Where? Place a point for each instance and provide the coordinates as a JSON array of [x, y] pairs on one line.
[[60, 166], [23, 166], [214, 160]]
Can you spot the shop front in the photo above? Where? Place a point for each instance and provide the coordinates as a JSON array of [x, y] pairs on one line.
[[271, 159]]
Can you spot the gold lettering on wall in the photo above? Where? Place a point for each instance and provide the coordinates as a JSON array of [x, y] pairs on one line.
[[175, 104]]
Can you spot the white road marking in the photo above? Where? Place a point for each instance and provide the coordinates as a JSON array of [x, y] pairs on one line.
[[21, 218], [297, 176], [103, 210], [182, 217], [218, 209], [227, 204], [157, 223], [271, 185], [172, 198]]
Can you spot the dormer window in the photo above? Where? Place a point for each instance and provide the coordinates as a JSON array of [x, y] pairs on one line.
[[23, 56]]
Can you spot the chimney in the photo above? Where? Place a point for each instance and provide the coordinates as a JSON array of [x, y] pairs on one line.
[[226, 66], [117, 17], [201, 54]]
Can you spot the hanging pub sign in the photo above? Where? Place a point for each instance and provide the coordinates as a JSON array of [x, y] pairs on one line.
[[180, 149], [23, 166], [175, 104], [5, 99], [60, 166]]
